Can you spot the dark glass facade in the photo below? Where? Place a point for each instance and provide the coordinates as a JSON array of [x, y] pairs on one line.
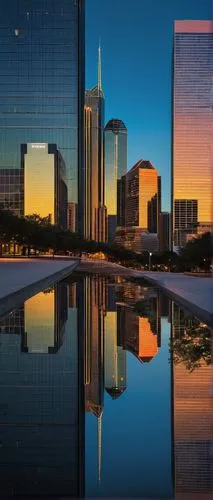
[[164, 231], [115, 144], [42, 83], [192, 122], [42, 410], [12, 190]]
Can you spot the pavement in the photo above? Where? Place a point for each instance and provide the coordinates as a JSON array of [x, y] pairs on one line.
[[191, 292], [194, 293], [22, 278]]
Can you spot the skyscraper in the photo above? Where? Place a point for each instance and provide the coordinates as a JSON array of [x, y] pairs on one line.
[[192, 408], [42, 431], [95, 212], [115, 135], [164, 231], [42, 86], [139, 204], [192, 179]]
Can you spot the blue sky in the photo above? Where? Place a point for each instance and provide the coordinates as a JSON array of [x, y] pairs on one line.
[[136, 38]]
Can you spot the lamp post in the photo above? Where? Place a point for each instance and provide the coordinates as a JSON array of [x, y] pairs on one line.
[[150, 255]]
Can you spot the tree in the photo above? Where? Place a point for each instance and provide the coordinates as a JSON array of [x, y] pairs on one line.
[[193, 347], [197, 253]]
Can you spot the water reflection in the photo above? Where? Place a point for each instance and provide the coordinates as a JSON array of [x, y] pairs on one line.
[[134, 364]]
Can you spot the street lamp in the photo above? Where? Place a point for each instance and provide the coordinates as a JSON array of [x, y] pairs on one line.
[[150, 255]]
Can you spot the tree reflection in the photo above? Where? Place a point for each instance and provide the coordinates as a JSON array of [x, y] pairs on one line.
[[193, 347]]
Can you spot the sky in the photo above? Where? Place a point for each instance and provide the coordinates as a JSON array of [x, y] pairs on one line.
[[136, 40]]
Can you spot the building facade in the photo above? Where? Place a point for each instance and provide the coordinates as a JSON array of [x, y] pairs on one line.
[[164, 231], [115, 135], [42, 86], [94, 203], [192, 409], [192, 180], [139, 203], [45, 189], [42, 430]]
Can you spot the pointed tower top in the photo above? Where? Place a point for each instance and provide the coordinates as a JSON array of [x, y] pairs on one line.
[[99, 67]]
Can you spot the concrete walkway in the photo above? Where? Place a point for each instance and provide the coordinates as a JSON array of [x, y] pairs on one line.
[[22, 278], [194, 293]]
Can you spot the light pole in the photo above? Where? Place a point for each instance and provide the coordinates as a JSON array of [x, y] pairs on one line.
[[150, 255]]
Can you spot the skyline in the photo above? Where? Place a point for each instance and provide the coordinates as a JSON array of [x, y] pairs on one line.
[[150, 103]]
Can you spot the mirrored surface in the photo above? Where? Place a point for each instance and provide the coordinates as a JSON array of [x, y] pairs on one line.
[[104, 392]]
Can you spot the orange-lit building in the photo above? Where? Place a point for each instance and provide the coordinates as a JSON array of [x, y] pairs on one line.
[[94, 202], [192, 179], [140, 335], [94, 307], [45, 190], [139, 197]]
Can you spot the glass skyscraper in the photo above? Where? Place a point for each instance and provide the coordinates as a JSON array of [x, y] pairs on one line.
[[192, 179], [115, 168], [42, 88], [95, 211]]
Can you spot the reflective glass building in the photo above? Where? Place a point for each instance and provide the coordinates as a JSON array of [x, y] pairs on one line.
[[192, 180], [115, 167], [95, 212], [42, 85], [45, 189]]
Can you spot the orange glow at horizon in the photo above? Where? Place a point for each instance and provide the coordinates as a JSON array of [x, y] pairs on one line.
[[39, 314], [39, 182]]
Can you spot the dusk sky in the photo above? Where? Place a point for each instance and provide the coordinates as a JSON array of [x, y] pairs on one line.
[[136, 39]]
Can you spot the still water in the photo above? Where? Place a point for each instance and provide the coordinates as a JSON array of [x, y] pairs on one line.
[[104, 392]]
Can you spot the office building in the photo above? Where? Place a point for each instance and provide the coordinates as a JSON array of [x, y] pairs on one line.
[[115, 136], [94, 206], [41, 385], [164, 231], [192, 410], [45, 189], [42, 86], [12, 190], [149, 242], [139, 199], [93, 317], [192, 180]]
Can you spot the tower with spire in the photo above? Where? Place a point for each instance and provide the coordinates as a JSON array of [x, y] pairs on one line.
[[95, 210]]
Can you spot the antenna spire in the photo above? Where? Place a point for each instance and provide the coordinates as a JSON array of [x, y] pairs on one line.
[[99, 67]]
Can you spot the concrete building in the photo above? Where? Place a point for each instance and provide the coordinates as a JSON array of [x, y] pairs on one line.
[[192, 180]]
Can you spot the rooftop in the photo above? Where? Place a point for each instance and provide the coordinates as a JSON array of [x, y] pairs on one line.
[[115, 124], [145, 164]]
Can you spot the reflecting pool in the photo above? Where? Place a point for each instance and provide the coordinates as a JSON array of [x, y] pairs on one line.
[[105, 391]]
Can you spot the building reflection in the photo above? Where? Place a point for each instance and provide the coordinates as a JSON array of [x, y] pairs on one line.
[[41, 409], [192, 411], [139, 324], [115, 356]]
